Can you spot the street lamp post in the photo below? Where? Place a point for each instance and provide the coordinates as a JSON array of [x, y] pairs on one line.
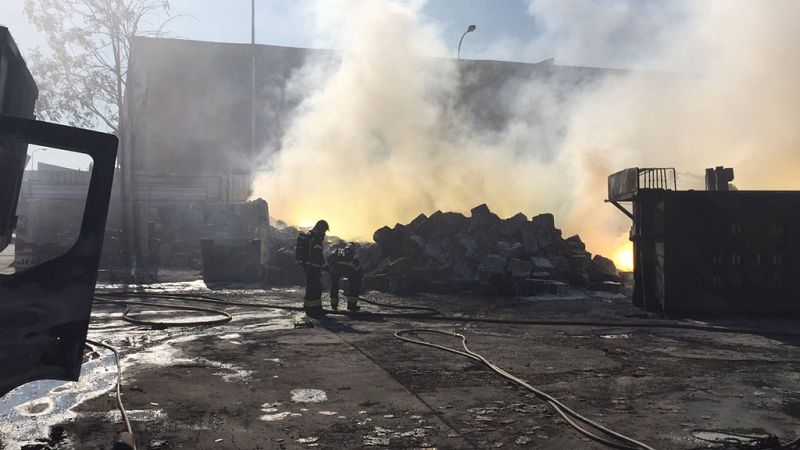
[[470, 29], [253, 76]]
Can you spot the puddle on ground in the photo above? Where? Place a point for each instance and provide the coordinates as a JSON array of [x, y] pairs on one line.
[[275, 417], [732, 439], [309, 395], [135, 415], [298, 396], [380, 436], [270, 407], [36, 407], [615, 336], [28, 412], [168, 355], [198, 287]]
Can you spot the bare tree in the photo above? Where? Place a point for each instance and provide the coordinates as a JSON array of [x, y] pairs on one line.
[[82, 76]]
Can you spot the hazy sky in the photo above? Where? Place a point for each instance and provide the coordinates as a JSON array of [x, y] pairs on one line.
[[285, 22], [611, 33]]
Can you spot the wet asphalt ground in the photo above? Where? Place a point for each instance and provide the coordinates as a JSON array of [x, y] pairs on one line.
[[258, 382]]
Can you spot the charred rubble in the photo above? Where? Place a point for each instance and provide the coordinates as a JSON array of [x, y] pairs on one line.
[[449, 252]]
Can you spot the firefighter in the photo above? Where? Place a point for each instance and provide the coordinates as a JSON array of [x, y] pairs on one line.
[[343, 263], [309, 254]]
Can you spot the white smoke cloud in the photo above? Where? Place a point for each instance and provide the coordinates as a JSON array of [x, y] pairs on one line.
[[734, 105], [607, 33], [380, 140], [383, 135]]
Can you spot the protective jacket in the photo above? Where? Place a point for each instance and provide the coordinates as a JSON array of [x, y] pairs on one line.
[[315, 256], [312, 267], [343, 263]]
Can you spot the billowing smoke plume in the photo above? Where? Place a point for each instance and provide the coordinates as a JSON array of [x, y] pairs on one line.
[[730, 97], [384, 132]]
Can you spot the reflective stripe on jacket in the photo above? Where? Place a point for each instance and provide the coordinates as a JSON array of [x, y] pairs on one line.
[[312, 303], [340, 263]]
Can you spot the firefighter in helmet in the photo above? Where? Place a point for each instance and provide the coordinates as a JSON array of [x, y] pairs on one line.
[[309, 254], [343, 263]]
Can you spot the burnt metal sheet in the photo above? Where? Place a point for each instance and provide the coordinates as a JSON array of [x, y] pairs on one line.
[[623, 185], [718, 251], [44, 310]]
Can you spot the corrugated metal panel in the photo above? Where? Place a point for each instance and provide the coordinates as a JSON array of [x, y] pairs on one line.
[[723, 251]]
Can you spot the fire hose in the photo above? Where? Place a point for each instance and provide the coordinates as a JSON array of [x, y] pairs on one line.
[[434, 314], [126, 438], [582, 424], [226, 317], [576, 420]]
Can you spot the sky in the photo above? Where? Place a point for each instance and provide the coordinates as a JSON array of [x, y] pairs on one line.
[[506, 29], [285, 22]]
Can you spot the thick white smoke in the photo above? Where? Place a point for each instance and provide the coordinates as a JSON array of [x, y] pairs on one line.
[[730, 98], [381, 137]]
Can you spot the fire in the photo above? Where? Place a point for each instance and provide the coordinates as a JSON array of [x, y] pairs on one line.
[[623, 257]]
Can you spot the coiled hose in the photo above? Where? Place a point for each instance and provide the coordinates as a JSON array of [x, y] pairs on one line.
[[226, 317]]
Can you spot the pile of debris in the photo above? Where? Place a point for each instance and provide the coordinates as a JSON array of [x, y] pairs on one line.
[[449, 252], [282, 269]]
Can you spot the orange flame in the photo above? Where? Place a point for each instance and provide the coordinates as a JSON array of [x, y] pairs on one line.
[[623, 257]]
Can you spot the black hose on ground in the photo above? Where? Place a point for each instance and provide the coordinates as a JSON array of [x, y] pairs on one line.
[[226, 317], [613, 439], [124, 440], [435, 315]]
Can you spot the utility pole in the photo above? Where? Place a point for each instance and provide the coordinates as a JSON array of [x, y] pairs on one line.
[[253, 77]]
